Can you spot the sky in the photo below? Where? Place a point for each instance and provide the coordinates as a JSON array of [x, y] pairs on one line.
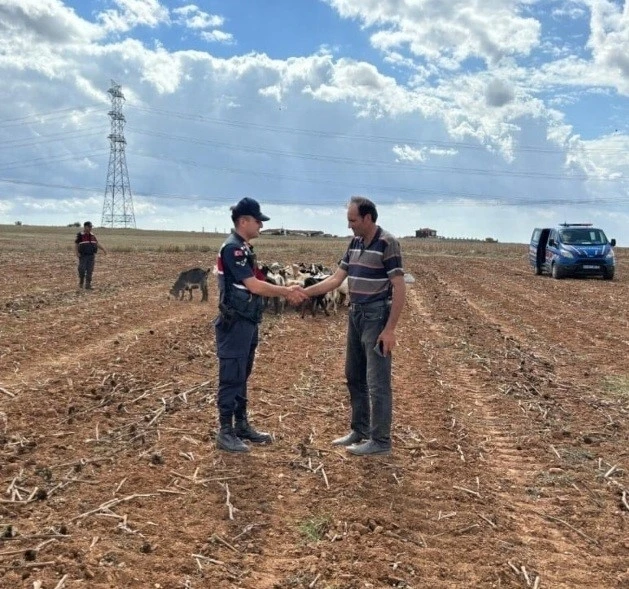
[[476, 118]]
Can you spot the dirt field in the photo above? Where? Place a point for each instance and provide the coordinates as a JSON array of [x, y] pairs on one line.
[[511, 443]]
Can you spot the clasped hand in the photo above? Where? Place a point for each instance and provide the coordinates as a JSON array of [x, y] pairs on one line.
[[296, 295]]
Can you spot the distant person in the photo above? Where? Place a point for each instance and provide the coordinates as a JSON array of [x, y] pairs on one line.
[[242, 287], [86, 246], [377, 292]]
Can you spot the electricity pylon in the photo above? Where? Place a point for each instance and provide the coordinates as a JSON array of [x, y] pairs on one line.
[[118, 201]]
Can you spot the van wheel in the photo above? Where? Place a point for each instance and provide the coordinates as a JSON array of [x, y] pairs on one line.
[[609, 274], [556, 272]]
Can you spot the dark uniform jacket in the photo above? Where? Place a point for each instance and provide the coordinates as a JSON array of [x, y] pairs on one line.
[[87, 242], [236, 262]]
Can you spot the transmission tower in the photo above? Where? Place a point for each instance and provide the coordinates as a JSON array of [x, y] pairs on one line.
[[118, 202]]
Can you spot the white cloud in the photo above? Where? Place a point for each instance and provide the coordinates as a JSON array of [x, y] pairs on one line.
[[6, 207], [498, 93], [144, 207], [217, 36], [133, 13], [207, 26], [573, 9], [609, 39], [60, 209], [30, 22], [447, 33], [594, 156], [406, 153], [193, 18], [162, 69]]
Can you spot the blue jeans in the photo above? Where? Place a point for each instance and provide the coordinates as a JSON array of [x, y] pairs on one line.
[[369, 374]]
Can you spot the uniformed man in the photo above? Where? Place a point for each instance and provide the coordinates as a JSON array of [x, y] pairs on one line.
[[86, 245], [242, 288]]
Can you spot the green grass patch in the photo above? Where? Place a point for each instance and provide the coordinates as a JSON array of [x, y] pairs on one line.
[[575, 456], [121, 249], [616, 385], [314, 528], [554, 479]]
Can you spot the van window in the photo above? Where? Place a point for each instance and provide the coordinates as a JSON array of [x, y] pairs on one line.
[[583, 236], [536, 235]]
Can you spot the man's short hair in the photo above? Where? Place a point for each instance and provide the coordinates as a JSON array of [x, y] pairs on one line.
[[87, 224], [365, 207]]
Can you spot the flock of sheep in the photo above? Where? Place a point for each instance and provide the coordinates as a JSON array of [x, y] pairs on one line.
[[303, 274]]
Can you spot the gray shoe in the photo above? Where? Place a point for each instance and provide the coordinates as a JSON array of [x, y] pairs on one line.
[[228, 441], [348, 440], [247, 432], [369, 448]]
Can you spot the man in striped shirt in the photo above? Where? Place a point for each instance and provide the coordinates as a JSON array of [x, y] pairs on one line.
[[377, 291]]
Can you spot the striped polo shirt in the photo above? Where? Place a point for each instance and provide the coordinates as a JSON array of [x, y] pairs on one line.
[[370, 267]]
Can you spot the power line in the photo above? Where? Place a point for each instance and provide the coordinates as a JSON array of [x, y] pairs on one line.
[[61, 136], [372, 164], [48, 116], [194, 117], [439, 197], [48, 160]]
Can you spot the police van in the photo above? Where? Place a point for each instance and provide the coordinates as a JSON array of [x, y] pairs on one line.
[[572, 249]]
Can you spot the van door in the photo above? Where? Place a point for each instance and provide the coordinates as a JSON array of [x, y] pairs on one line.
[[533, 246], [551, 249], [541, 250]]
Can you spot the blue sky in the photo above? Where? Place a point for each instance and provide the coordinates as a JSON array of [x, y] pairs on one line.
[[477, 118]]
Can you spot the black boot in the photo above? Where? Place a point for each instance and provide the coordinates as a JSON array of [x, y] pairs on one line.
[[81, 282], [88, 286], [245, 432], [228, 441]]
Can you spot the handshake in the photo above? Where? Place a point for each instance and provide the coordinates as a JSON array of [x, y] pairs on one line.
[[296, 295]]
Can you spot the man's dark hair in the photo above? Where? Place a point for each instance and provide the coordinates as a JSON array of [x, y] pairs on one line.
[[365, 207], [87, 224]]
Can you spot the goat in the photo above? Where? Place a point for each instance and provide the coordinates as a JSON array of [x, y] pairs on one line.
[[277, 279], [336, 297], [342, 293], [314, 302], [189, 280]]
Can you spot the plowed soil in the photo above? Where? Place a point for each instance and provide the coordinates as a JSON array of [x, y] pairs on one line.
[[511, 443]]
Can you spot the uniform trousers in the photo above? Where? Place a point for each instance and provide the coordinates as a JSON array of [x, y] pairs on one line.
[[86, 267], [236, 343]]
